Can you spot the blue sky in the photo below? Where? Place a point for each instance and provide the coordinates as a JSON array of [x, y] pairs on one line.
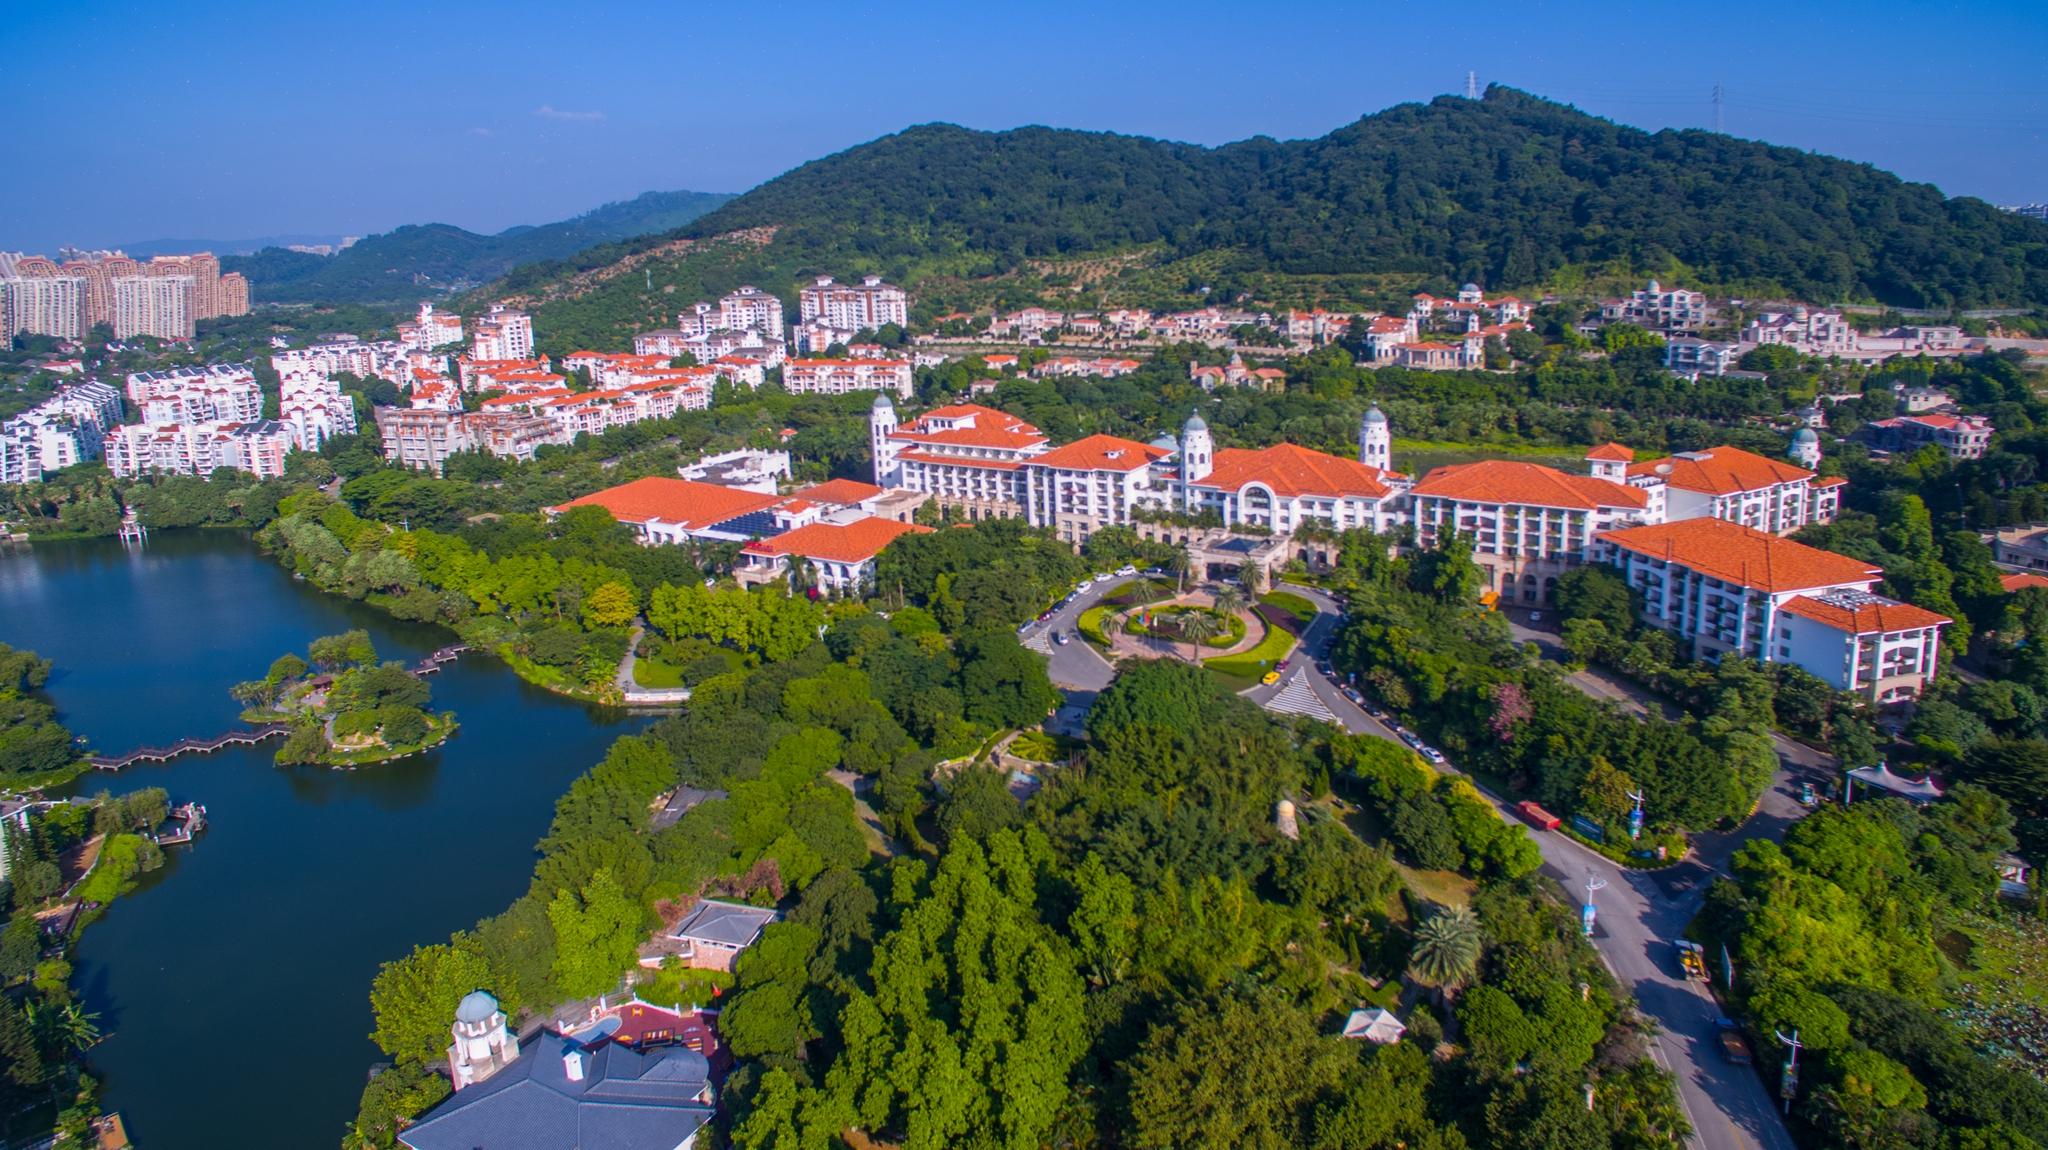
[[243, 118]]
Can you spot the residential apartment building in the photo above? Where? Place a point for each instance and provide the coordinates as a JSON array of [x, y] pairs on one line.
[[1962, 436], [1068, 366], [1689, 356], [1030, 324], [1529, 523], [52, 305], [314, 409], [422, 438], [258, 447], [430, 330], [63, 431], [1660, 309], [749, 308], [1732, 484], [1807, 330], [503, 333], [161, 307], [840, 376], [848, 307], [709, 346], [1727, 589], [216, 392]]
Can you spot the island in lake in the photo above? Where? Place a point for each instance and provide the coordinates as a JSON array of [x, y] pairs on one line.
[[345, 708]]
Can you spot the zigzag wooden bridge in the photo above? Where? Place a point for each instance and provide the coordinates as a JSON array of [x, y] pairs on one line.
[[244, 738]]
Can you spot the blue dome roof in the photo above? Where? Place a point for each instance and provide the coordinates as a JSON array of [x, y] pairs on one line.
[[1194, 423], [476, 1006], [1166, 442], [1375, 415], [1805, 435], [882, 401]]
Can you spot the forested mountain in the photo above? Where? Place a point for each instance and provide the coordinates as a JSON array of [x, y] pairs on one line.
[[420, 260], [1511, 191]]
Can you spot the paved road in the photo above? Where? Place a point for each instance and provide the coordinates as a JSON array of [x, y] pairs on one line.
[[1638, 913], [1075, 667]]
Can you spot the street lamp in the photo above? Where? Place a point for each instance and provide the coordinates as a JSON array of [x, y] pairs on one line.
[[1789, 1086], [1586, 912], [1635, 816]]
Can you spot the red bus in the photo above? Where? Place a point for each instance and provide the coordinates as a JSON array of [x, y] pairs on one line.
[[1538, 817]]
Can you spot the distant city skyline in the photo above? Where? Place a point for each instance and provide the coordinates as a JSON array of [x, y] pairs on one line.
[[328, 120]]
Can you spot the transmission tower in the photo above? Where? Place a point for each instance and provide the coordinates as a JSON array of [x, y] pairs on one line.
[[1472, 85], [1718, 98]]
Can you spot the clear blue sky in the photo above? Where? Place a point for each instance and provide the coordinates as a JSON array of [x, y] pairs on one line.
[[241, 118]]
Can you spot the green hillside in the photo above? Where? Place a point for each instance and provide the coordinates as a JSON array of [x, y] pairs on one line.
[[422, 260], [1511, 191]]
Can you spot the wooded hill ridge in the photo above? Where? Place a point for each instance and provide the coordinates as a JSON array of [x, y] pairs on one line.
[[418, 261], [1511, 191]]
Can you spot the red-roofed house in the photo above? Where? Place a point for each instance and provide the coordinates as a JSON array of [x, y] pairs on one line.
[[967, 457], [1283, 487], [663, 510], [1528, 523], [1089, 484], [1962, 436], [840, 557], [1739, 486], [1729, 589]]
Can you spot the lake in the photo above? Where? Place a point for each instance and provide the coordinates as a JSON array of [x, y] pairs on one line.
[[234, 984]]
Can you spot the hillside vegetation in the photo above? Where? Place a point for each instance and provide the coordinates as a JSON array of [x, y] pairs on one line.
[[422, 260], [1511, 191]]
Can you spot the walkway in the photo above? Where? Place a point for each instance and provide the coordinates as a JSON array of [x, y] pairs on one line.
[[188, 747], [631, 693]]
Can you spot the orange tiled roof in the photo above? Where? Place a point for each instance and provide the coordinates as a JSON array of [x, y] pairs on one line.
[[1529, 484], [1291, 470], [855, 542], [681, 501], [1612, 453], [2022, 581], [1830, 481], [1722, 471], [1743, 555], [840, 491], [1865, 618], [1100, 453]]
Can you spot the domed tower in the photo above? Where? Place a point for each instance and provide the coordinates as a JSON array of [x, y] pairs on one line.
[[1376, 439], [482, 1046], [1806, 448], [1197, 450], [881, 425]]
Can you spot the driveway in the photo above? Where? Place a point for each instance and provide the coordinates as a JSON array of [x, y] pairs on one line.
[[1638, 914]]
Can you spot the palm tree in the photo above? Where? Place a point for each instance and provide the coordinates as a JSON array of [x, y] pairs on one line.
[[63, 1030], [1198, 627], [1180, 565], [1229, 601], [1446, 950]]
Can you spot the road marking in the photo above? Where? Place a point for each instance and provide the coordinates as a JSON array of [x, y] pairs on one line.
[[1296, 697]]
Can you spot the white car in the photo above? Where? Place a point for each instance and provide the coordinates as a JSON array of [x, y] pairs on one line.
[[1126, 571], [1083, 586], [1102, 577]]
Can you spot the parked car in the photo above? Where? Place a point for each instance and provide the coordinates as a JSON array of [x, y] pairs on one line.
[[1432, 754], [1281, 665], [1126, 571], [1806, 796], [1734, 1047], [1270, 678], [1084, 585], [1102, 577]]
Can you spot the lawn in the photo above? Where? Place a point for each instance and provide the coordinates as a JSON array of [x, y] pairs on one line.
[[1090, 625], [683, 986], [1302, 610], [1256, 662], [654, 673]]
